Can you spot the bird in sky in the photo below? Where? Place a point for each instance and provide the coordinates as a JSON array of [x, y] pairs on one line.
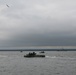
[[7, 5]]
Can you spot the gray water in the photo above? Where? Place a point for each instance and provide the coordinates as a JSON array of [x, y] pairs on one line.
[[55, 63]]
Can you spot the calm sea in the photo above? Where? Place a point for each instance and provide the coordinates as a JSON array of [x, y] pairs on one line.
[[55, 63]]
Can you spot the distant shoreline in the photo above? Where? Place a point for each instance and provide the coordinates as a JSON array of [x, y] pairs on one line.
[[38, 50]]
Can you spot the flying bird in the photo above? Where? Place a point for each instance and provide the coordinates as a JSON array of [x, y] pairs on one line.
[[7, 5]]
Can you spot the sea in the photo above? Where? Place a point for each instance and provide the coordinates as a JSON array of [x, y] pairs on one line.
[[55, 63]]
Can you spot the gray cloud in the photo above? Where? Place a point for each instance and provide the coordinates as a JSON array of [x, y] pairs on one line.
[[37, 22]]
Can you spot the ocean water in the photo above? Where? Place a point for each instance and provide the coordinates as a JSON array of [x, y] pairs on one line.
[[55, 63]]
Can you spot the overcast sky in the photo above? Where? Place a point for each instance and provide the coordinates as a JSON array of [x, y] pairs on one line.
[[37, 23]]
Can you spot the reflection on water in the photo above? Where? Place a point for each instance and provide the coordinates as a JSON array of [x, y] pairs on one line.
[[55, 63]]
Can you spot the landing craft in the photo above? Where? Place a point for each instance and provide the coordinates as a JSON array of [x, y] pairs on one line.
[[29, 55]]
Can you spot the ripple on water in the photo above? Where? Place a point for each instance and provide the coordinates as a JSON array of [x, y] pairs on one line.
[[3, 56]]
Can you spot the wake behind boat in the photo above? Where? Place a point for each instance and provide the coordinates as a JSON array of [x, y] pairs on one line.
[[33, 55]]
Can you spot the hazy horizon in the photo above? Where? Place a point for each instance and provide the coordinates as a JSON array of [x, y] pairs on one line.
[[39, 47]]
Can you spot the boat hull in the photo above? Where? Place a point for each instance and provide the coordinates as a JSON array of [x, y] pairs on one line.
[[34, 56]]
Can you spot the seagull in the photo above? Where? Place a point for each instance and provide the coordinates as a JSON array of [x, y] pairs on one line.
[[7, 5]]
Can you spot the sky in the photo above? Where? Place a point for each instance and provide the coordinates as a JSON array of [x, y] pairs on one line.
[[37, 23]]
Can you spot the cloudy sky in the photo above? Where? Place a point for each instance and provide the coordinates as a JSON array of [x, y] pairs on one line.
[[37, 23]]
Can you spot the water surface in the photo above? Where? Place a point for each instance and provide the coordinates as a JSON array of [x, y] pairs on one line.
[[55, 63]]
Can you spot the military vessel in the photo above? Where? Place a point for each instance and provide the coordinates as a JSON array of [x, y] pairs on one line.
[[33, 55]]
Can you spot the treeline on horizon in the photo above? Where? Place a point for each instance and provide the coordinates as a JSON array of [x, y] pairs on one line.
[[37, 49]]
